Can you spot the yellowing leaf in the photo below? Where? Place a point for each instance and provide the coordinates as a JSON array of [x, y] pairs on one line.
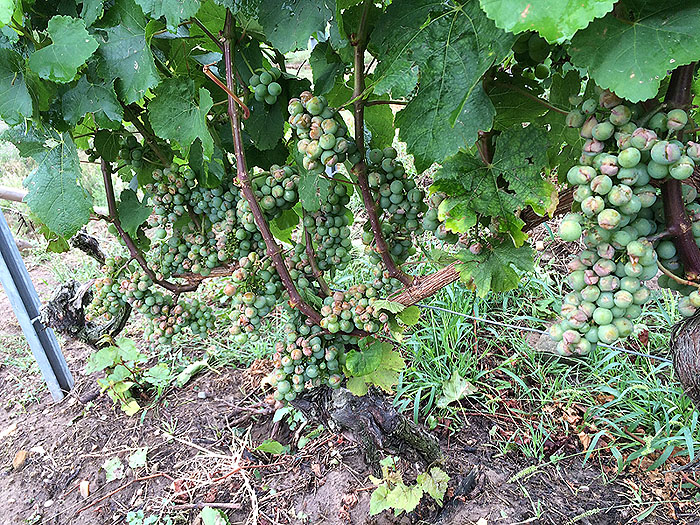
[[455, 389]]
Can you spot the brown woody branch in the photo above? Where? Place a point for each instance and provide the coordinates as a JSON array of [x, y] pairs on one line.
[[360, 169], [273, 249], [315, 271], [678, 224], [129, 242]]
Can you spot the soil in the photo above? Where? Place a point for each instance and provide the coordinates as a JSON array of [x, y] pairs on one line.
[[201, 449]]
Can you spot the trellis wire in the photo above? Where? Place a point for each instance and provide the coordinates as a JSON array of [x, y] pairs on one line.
[[535, 330]]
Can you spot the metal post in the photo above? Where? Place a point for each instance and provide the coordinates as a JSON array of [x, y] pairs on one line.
[[25, 302]]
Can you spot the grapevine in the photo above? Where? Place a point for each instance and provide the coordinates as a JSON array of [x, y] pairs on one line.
[[236, 169]]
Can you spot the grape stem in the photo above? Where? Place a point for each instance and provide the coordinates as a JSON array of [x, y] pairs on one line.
[[659, 236], [315, 271], [207, 32], [273, 249], [360, 169], [379, 102], [136, 254], [133, 117], [673, 276]]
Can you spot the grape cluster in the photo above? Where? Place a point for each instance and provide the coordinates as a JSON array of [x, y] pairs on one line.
[[255, 290], [170, 192], [400, 200], [353, 309], [107, 301], [329, 229], [277, 190], [131, 152], [264, 85], [431, 221], [531, 52], [323, 136], [616, 201], [306, 360]]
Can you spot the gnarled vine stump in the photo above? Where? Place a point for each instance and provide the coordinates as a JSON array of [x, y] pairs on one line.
[[685, 345], [65, 313], [377, 425]]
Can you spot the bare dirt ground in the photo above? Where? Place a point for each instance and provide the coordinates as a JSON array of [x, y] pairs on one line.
[[201, 442]]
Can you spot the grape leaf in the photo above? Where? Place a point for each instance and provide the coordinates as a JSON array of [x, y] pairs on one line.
[[132, 212], [403, 498], [107, 145], [492, 269], [273, 447], [379, 120], [378, 501], [283, 226], [125, 54], [454, 389], [434, 483], [92, 11], [555, 21], [7, 9], [514, 107], [71, 46], [385, 364], [265, 126], [174, 11], [632, 57], [288, 23], [474, 188], [326, 66], [114, 469], [410, 315], [15, 101], [99, 99], [174, 115], [452, 49], [363, 362], [400, 78], [55, 195], [313, 189]]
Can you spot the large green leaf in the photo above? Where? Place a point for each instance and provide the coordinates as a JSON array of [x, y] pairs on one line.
[[501, 189], [509, 97], [175, 115], [494, 269], [265, 126], [55, 195], [379, 120], [132, 212], [556, 21], [92, 10], [326, 66], [632, 57], [289, 23], [71, 46], [15, 101], [174, 11], [99, 99], [125, 54], [453, 45], [7, 8]]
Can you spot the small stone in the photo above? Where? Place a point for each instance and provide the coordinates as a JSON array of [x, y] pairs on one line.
[[48, 503], [584, 488], [84, 488], [202, 395], [19, 459]]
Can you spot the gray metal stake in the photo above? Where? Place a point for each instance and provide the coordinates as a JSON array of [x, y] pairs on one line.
[[25, 302]]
